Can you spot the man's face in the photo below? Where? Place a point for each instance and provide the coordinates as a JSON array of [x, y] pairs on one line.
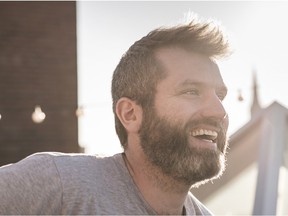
[[185, 132]]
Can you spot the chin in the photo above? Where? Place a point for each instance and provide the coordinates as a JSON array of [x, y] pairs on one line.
[[211, 173]]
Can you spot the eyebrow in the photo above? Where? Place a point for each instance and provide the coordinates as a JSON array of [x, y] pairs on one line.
[[189, 82]]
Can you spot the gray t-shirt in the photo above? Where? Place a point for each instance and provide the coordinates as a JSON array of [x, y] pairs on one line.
[[58, 183]]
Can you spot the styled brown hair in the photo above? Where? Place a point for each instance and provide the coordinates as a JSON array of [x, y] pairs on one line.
[[138, 72]]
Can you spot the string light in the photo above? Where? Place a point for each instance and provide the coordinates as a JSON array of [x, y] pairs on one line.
[[38, 116], [240, 96], [80, 111]]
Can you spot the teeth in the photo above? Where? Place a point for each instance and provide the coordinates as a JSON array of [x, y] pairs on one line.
[[203, 132]]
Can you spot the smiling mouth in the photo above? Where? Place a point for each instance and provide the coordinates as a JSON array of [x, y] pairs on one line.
[[204, 134]]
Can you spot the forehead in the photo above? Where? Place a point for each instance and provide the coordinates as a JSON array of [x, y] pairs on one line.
[[181, 65]]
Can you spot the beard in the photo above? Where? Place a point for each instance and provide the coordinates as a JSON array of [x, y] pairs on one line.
[[166, 144]]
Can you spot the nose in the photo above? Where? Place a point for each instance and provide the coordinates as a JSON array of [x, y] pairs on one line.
[[214, 108]]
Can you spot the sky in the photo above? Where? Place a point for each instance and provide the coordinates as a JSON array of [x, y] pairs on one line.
[[257, 30]]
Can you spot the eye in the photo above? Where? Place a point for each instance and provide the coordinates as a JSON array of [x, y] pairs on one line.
[[191, 92]]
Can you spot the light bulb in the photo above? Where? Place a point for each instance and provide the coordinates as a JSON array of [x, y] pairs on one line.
[[38, 116], [80, 111], [240, 96]]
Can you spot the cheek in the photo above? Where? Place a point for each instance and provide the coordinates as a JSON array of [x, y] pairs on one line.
[[226, 122], [176, 110]]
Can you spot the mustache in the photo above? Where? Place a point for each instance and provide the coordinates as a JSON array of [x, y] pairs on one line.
[[213, 122]]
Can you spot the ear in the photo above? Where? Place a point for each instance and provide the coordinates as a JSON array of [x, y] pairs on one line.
[[130, 114]]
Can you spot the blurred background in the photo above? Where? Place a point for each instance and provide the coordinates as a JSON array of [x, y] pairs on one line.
[[56, 65]]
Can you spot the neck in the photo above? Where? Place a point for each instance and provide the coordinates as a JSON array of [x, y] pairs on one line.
[[164, 194]]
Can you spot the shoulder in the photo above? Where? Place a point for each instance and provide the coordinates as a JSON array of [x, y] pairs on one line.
[[35, 169], [195, 207], [57, 159], [43, 167], [89, 182], [31, 180], [83, 168], [64, 164], [80, 162], [34, 162], [56, 182]]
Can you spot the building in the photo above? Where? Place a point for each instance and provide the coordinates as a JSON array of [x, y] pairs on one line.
[[38, 70], [255, 180]]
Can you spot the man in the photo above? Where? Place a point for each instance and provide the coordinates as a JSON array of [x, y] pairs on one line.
[[167, 99]]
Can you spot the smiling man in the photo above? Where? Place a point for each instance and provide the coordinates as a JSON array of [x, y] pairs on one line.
[[168, 92], [167, 100]]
